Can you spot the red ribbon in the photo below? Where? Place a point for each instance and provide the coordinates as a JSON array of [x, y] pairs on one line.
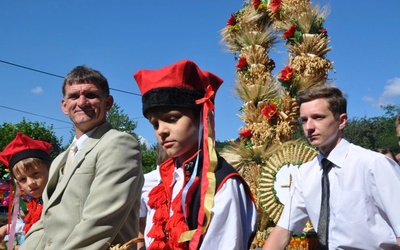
[[207, 98]]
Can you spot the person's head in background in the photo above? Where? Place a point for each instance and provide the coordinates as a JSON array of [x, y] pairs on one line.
[[86, 98], [387, 152], [398, 128], [29, 162]]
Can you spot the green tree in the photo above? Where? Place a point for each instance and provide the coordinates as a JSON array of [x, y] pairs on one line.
[[374, 132], [121, 121], [149, 158], [35, 130]]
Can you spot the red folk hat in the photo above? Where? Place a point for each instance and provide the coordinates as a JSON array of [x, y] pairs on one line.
[[176, 85], [23, 147]]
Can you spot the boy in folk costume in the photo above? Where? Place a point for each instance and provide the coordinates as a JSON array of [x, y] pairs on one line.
[[201, 201], [29, 161]]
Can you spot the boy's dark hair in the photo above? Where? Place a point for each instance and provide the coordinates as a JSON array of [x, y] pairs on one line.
[[337, 103], [83, 74]]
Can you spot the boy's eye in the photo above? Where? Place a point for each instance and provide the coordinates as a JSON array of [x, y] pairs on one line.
[[172, 119], [155, 125], [22, 180], [318, 118]]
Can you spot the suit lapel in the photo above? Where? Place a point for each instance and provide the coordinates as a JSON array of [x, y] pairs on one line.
[[54, 174], [56, 186]]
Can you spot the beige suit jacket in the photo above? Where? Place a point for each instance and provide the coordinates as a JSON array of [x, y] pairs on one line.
[[95, 204]]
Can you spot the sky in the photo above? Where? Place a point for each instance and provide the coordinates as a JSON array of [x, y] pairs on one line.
[[120, 37]]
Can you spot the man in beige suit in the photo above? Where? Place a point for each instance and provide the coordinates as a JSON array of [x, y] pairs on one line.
[[93, 202]]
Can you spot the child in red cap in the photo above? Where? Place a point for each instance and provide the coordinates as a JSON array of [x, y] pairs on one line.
[[201, 201], [29, 161]]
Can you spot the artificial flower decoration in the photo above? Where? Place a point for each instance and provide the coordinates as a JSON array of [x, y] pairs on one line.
[[231, 20], [242, 63], [269, 110], [275, 5], [256, 3], [286, 74], [245, 133], [289, 33], [293, 34], [261, 5]]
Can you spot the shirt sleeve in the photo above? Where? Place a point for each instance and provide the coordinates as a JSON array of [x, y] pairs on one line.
[[385, 182], [294, 216], [151, 180], [234, 218]]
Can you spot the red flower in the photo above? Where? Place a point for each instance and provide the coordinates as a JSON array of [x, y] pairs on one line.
[[324, 32], [246, 133], [231, 20], [289, 32], [242, 62], [286, 73], [274, 5], [269, 110], [256, 3]]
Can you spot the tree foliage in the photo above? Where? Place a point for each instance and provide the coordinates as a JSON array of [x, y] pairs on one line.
[[35, 130], [375, 132], [121, 121], [149, 158]]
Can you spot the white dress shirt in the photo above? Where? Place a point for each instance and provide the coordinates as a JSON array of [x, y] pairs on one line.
[[364, 199]]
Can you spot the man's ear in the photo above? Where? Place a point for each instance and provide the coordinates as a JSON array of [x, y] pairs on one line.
[[64, 106], [109, 102], [342, 121]]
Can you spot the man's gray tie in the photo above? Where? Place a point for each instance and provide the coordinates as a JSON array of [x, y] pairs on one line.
[[70, 157], [323, 223]]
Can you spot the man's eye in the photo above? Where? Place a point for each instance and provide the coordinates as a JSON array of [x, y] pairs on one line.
[[73, 97], [90, 96]]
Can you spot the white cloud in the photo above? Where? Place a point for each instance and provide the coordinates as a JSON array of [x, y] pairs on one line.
[[143, 140], [37, 90], [368, 99], [390, 92]]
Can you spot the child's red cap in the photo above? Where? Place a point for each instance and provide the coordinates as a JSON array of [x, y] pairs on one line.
[[23, 147], [176, 85]]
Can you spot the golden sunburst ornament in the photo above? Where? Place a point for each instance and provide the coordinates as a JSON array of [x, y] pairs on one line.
[[277, 176]]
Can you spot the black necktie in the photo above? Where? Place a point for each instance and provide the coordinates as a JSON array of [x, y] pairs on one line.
[[323, 223]]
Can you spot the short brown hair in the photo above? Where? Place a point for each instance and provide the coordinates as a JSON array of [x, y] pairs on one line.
[[337, 103], [83, 74]]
